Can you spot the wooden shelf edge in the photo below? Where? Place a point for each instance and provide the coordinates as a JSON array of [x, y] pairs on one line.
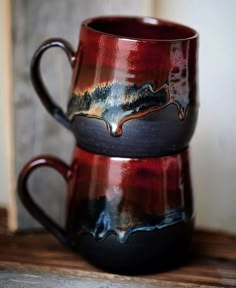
[[88, 278]]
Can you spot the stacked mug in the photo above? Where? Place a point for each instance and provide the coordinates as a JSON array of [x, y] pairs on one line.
[[133, 110]]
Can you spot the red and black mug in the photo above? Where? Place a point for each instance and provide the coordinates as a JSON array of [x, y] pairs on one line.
[[134, 86], [133, 110]]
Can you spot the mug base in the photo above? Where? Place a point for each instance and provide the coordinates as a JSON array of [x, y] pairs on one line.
[[142, 253]]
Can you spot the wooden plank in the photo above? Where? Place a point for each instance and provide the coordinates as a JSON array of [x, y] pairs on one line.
[[17, 275], [35, 131]]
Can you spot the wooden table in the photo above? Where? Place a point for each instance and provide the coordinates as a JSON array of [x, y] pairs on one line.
[[38, 260]]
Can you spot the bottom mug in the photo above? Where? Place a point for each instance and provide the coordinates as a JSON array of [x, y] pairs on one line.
[[125, 215]]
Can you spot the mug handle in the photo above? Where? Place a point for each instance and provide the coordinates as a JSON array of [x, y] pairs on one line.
[[37, 81], [30, 204]]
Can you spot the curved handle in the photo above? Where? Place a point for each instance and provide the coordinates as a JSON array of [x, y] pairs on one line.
[[38, 84], [30, 204]]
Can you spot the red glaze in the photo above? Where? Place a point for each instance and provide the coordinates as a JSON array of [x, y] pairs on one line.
[[153, 184], [131, 50], [136, 189]]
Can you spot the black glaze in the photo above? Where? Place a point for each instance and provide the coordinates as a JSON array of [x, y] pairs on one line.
[[158, 250], [37, 81], [157, 134]]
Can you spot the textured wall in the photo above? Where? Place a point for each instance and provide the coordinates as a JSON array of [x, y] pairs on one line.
[[35, 131]]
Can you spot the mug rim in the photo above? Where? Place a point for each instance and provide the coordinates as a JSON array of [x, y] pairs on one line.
[[143, 20]]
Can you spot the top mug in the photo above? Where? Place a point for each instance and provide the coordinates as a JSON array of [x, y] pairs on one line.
[[134, 86]]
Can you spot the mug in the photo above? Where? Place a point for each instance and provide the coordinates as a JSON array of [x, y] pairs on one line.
[[134, 86], [133, 110], [125, 215]]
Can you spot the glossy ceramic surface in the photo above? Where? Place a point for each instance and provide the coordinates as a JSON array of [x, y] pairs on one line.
[[133, 110], [125, 195], [134, 86], [118, 207]]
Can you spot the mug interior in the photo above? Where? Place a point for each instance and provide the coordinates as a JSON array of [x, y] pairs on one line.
[[141, 28]]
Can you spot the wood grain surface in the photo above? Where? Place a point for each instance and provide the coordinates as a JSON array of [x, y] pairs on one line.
[[16, 276], [213, 262]]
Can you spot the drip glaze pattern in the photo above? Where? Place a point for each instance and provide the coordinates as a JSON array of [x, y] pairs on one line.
[[121, 196]]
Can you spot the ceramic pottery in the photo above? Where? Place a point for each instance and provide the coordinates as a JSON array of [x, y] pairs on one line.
[[134, 86], [127, 215], [132, 110]]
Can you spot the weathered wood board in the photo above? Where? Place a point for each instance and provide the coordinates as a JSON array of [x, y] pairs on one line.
[[27, 276], [35, 132]]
